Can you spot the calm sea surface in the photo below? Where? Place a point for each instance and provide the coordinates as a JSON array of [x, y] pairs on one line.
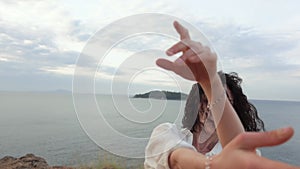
[[46, 124]]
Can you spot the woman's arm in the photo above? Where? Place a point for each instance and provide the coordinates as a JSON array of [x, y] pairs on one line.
[[198, 63], [182, 158], [226, 119], [238, 154]]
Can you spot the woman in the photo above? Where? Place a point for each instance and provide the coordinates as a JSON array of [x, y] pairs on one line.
[[169, 147], [199, 121]]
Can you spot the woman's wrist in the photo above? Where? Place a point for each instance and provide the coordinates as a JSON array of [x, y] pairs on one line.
[[208, 162], [212, 162], [212, 87]]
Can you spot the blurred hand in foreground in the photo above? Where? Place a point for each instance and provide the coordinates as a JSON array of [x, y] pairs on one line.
[[240, 153]]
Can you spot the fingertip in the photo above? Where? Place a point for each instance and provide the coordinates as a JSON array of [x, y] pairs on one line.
[[175, 23], [292, 130], [162, 62], [285, 132], [169, 52], [157, 62]]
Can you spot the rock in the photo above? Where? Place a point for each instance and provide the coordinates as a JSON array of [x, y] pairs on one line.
[[29, 161], [60, 167]]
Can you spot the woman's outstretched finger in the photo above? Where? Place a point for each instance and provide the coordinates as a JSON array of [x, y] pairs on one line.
[[182, 31], [165, 64], [178, 47], [262, 139]]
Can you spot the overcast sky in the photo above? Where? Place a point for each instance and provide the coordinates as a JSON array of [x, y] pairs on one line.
[[40, 42]]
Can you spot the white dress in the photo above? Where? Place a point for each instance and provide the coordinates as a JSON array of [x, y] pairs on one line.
[[164, 139]]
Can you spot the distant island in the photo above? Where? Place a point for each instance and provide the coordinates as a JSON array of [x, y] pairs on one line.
[[162, 95]]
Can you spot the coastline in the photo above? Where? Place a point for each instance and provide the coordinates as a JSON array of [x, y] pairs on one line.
[[31, 161], [27, 161]]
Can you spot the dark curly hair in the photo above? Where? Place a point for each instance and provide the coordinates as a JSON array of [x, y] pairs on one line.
[[244, 109]]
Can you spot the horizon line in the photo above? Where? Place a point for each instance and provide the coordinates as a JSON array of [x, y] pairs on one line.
[[65, 91]]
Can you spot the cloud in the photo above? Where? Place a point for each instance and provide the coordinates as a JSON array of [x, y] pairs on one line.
[[9, 58], [44, 38], [40, 22], [248, 50], [295, 73], [65, 70], [38, 36]]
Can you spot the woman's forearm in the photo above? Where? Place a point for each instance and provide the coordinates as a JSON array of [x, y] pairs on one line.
[[183, 157], [226, 119]]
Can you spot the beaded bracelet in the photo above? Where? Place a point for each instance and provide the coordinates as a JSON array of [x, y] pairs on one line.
[[208, 161], [210, 106]]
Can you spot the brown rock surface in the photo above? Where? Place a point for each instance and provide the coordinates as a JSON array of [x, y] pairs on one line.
[[29, 161]]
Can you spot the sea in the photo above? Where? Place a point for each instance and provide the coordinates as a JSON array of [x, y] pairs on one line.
[[80, 129]]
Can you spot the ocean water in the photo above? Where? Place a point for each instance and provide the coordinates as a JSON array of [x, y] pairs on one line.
[[278, 114], [47, 125]]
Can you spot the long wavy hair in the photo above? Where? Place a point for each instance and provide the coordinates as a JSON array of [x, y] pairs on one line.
[[244, 109]]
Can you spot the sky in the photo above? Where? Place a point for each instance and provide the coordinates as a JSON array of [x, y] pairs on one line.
[[41, 43]]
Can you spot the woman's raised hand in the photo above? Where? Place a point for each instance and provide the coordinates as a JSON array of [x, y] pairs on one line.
[[196, 63]]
